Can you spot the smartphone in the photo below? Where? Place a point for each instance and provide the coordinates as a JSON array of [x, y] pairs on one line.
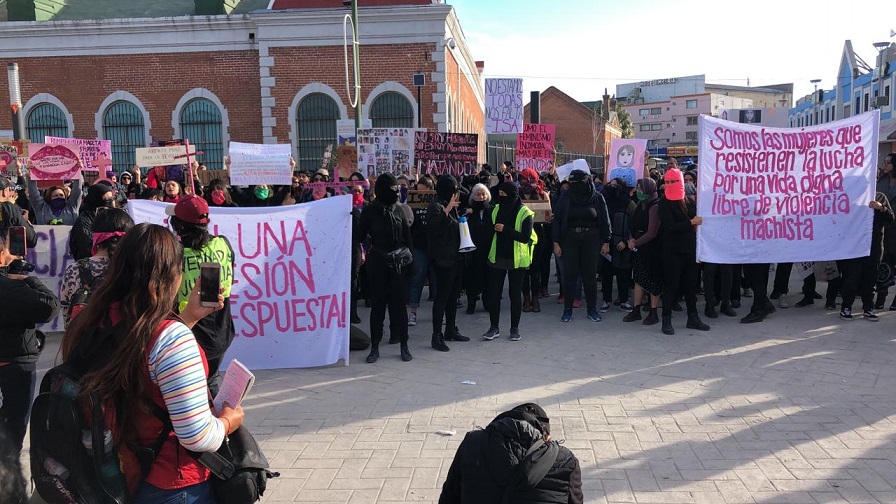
[[209, 284], [17, 246]]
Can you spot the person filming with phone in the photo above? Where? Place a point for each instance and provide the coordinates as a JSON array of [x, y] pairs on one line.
[[26, 302], [210, 261]]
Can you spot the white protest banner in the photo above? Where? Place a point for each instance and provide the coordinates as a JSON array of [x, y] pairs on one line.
[[786, 194], [291, 284], [252, 164], [503, 106], [627, 160], [385, 150], [53, 162], [50, 257], [95, 154], [148, 157], [563, 171]]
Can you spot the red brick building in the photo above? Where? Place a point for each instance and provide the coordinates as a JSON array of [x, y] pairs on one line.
[[274, 75], [580, 129]]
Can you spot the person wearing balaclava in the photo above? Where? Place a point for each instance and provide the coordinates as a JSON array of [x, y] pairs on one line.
[[678, 227], [81, 239], [510, 255], [647, 264], [443, 234], [388, 264], [581, 229]]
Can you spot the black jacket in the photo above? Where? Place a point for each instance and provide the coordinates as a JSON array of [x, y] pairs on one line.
[[80, 242], [25, 303], [11, 215], [679, 236], [387, 227], [485, 461], [443, 233], [561, 210]]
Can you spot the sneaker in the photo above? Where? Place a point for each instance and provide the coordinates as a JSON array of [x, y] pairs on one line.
[[491, 334], [560, 299], [830, 306], [604, 308], [870, 316], [783, 302], [412, 319], [515, 334], [626, 306], [567, 316], [806, 301], [593, 315], [846, 314], [748, 292], [577, 303]]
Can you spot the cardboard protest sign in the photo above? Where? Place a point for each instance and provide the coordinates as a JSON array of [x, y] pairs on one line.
[[291, 284], [535, 147], [503, 106], [786, 194], [53, 162], [95, 154], [452, 153], [626, 160], [385, 150], [252, 164], [542, 209], [420, 199], [163, 156]]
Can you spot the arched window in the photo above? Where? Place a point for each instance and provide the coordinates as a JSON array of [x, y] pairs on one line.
[[46, 120], [316, 117], [391, 110], [123, 124], [200, 122]]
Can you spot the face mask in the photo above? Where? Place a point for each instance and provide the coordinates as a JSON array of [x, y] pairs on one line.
[[478, 205], [109, 203], [389, 196], [506, 200], [641, 196], [262, 193], [218, 197], [357, 199], [57, 204]]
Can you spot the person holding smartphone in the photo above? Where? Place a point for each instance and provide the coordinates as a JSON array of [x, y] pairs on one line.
[[26, 302], [214, 332], [12, 214]]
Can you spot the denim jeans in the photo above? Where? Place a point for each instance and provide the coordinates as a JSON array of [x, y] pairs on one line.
[[196, 494], [415, 285]]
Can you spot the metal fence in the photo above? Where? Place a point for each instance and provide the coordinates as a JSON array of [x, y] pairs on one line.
[[123, 124], [391, 110], [200, 122], [498, 153], [316, 124], [46, 120]]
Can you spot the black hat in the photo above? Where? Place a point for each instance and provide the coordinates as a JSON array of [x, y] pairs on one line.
[[532, 413], [510, 189]]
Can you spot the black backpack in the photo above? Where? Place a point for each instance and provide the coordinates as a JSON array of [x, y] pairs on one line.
[[65, 465]]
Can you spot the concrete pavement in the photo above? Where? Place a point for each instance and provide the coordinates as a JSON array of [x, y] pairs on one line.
[[799, 408]]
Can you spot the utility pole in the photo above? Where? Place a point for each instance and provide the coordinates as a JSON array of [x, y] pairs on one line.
[[15, 102]]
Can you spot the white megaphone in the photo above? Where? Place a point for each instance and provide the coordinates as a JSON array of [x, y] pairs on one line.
[[466, 241]]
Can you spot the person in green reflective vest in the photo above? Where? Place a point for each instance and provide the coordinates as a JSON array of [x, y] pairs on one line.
[[509, 256]]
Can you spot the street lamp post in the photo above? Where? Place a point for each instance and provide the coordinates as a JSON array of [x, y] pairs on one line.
[[656, 139], [880, 46], [15, 101], [815, 99]]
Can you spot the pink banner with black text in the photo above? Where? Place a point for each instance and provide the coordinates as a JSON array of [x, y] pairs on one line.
[[786, 194]]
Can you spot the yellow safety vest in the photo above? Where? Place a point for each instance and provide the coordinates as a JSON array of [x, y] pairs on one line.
[[522, 252]]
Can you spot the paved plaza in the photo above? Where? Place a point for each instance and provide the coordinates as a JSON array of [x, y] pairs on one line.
[[798, 409]]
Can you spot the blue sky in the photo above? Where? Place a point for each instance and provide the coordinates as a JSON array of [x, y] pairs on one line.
[[582, 46]]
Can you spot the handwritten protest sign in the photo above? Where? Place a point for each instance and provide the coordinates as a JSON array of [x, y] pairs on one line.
[[291, 287], [260, 164], [535, 147], [10, 150], [420, 199], [627, 160], [95, 154], [385, 150], [452, 153], [563, 171], [786, 194], [163, 156], [503, 106], [53, 162]]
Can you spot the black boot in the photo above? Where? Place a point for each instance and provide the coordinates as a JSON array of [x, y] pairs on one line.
[[471, 305], [651, 317], [405, 353], [667, 325], [455, 335], [394, 340], [727, 310], [694, 322], [633, 315], [438, 342], [710, 310], [374, 353]]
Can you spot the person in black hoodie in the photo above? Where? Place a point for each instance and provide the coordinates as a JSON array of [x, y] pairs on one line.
[[513, 460], [479, 218], [81, 239], [677, 225], [388, 264], [443, 234], [581, 229]]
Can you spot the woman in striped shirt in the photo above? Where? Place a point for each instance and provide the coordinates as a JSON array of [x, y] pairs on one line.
[[157, 366]]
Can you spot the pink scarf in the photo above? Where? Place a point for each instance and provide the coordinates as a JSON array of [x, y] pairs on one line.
[[101, 237]]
